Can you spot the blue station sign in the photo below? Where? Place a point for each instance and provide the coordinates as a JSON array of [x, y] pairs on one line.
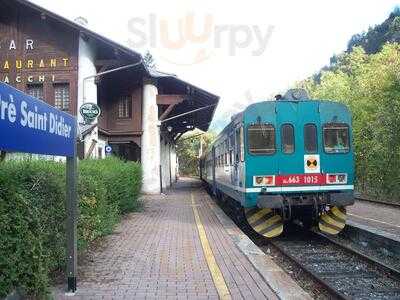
[[33, 126]]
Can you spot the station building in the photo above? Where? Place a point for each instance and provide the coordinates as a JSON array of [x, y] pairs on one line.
[[143, 111]]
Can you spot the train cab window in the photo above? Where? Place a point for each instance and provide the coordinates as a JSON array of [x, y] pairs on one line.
[[336, 138], [261, 139], [287, 132], [310, 138]]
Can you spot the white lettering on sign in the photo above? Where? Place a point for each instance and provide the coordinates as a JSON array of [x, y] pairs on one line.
[[310, 179], [29, 44], [31, 118], [8, 110], [12, 45]]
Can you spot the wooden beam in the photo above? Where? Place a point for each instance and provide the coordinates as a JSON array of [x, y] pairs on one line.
[[169, 99], [178, 136], [91, 148], [167, 112]]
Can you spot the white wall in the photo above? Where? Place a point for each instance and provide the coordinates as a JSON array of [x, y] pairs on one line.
[[174, 165], [101, 145], [166, 164], [86, 68]]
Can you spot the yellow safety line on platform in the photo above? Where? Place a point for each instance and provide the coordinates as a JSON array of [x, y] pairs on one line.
[[373, 220], [215, 271]]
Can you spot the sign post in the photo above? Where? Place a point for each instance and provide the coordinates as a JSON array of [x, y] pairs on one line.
[[32, 126], [72, 207]]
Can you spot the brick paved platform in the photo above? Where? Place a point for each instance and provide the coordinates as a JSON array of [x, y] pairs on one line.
[[382, 219], [159, 254]]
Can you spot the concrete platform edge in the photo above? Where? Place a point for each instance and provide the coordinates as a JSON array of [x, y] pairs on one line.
[[374, 231], [277, 279]]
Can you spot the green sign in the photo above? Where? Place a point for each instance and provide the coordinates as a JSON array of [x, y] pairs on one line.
[[89, 111]]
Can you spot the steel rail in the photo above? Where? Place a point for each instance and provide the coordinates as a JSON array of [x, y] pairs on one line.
[[362, 255], [331, 288], [300, 264]]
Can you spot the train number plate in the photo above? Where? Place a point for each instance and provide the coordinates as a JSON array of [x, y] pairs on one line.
[[300, 179]]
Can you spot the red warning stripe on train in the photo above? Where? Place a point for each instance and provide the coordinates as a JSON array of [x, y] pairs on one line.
[[300, 179]]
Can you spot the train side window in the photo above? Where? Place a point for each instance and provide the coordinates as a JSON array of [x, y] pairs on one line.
[[261, 139], [287, 133], [310, 138], [336, 138]]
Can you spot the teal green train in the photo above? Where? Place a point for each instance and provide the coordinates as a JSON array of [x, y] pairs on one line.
[[285, 160]]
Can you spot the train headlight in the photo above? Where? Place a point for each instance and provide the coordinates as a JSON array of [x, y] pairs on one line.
[[266, 180], [336, 178]]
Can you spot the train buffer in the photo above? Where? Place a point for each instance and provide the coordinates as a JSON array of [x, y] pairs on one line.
[[181, 246]]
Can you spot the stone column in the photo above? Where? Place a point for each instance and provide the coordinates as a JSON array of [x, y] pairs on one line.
[[150, 156]]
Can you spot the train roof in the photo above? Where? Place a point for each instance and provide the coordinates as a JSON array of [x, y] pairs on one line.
[[274, 102]]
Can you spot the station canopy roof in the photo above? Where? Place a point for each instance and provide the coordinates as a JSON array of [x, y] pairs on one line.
[[182, 106]]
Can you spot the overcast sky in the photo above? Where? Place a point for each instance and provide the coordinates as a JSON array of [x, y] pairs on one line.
[[242, 51]]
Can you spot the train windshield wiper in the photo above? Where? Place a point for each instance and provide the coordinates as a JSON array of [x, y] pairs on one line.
[[262, 130]]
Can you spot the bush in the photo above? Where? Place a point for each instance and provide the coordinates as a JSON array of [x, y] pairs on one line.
[[32, 209]]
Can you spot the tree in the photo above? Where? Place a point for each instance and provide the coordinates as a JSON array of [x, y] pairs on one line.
[[148, 60], [189, 149], [370, 86]]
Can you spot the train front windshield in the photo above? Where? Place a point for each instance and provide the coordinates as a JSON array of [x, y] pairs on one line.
[[336, 138], [261, 139]]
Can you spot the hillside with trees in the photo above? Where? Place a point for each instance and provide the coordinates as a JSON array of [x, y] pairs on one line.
[[373, 39], [367, 79]]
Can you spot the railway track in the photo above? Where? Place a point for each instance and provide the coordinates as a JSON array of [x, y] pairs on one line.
[[344, 273]]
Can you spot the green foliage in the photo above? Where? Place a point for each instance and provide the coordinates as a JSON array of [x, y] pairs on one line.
[[370, 86], [189, 149], [32, 209]]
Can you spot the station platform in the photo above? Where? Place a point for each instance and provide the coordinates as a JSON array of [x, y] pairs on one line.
[[181, 246], [378, 218]]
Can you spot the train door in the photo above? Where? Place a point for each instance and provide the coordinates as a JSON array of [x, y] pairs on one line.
[[213, 162], [298, 124], [238, 172], [232, 164], [289, 137], [310, 128]]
